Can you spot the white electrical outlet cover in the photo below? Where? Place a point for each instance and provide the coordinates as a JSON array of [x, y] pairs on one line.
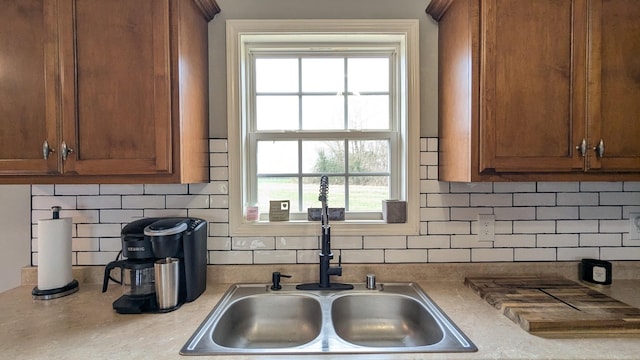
[[634, 226]]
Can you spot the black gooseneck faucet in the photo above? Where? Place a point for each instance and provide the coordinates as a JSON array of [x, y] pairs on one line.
[[326, 271]]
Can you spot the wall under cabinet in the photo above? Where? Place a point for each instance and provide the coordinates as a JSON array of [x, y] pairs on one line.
[[15, 237]]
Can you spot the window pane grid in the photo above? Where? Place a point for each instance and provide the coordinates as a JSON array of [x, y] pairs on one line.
[[300, 187]]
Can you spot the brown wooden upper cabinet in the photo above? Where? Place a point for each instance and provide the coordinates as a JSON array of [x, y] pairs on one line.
[[96, 91], [538, 90]]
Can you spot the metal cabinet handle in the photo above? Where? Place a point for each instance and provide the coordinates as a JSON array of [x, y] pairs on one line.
[[66, 151], [599, 149], [582, 148], [46, 150]]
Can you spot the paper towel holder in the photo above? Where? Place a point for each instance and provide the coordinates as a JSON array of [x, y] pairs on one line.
[[65, 290]]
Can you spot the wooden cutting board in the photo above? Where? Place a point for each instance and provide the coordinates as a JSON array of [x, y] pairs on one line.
[[556, 307]]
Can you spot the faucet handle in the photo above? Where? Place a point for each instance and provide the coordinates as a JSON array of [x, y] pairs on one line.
[[275, 279]]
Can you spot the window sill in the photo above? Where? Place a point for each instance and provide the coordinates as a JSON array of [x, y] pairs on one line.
[[338, 228]]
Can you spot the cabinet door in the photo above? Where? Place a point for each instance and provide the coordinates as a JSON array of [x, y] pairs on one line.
[[116, 86], [614, 90], [532, 92], [28, 107]]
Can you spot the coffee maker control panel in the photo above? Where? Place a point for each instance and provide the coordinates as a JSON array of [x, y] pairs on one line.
[[195, 223]]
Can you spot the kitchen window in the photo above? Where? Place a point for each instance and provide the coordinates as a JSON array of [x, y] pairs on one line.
[[322, 97]]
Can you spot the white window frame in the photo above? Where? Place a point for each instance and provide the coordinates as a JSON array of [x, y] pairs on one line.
[[403, 34]]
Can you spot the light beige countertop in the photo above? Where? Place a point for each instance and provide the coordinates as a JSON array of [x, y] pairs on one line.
[[84, 326]]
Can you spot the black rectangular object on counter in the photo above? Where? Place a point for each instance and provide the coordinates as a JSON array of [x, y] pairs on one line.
[[595, 271]]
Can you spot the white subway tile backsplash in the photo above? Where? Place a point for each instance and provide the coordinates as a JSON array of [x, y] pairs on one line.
[[491, 255], [307, 256], [423, 172], [188, 201], [274, 257], [423, 144], [444, 200], [433, 187], [230, 257], [608, 240], [558, 187], [534, 227], [558, 240], [346, 242], [514, 187], [620, 198], [110, 244], [99, 202], [219, 173], [449, 227], [577, 253], [600, 186], [218, 145], [543, 221], [429, 242], [218, 243], [385, 242], [165, 212], [362, 256], [469, 241], [534, 199], [143, 202], [459, 187], [614, 226], [631, 186], [134, 189], [468, 214], [297, 242], [218, 159], [514, 241], [575, 199], [432, 144], [515, 213], [85, 244], [120, 216], [434, 214], [620, 253], [46, 202], [42, 190], [449, 255], [219, 187], [577, 226], [164, 189], [77, 189], [253, 243], [429, 158], [405, 256], [99, 230], [534, 254], [218, 229], [95, 257], [557, 212], [432, 172]]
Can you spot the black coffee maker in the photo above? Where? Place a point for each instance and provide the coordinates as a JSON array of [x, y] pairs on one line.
[[146, 240]]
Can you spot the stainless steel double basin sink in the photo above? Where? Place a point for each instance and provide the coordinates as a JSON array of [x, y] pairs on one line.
[[394, 317]]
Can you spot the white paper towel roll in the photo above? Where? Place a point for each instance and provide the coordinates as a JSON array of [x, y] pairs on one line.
[[54, 253]]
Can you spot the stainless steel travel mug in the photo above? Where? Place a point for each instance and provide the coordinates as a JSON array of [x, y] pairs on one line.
[[167, 279]]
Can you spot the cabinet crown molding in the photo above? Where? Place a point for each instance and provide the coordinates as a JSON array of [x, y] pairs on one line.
[[437, 8], [209, 8]]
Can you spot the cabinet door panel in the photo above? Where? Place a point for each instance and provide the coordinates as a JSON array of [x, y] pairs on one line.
[[27, 92], [614, 92], [118, 120], [530, 86]]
